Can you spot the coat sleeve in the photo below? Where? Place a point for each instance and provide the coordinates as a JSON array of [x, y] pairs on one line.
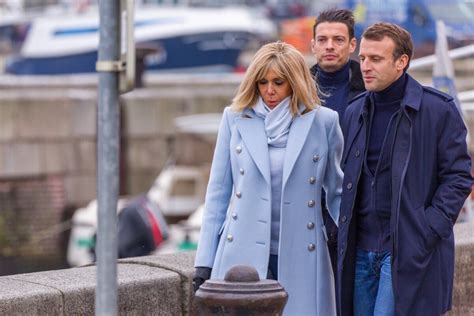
[[454, 174], [217, 198], [333, 176]]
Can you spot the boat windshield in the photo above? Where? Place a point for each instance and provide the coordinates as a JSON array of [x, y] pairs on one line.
[[12, 37]]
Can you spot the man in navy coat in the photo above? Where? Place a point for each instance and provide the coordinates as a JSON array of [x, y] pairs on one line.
[[338, 79], [406, 177]]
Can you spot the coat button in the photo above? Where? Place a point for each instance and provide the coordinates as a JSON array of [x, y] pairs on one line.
[[238, 149], [357, 153], [312, 180], [234, 216], [344, 218], [349, 186], [341, 252], [316, 158], [241, 171], [310, 225], [311, 247], [230, 238], [311, 203], [238, 194]]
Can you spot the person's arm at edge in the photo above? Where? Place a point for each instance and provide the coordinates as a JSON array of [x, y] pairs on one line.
[[333, 177], [218, 194], [454, 173]]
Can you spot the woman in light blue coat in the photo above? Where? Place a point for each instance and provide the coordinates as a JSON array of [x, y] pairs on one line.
[[276, 148]]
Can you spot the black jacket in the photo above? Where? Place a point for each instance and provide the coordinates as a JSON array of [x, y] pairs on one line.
[[355, 77]]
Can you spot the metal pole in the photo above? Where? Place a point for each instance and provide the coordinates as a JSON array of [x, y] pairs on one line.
[[108, 161]]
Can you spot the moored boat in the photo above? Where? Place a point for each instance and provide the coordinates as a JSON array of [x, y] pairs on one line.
[[175, 39]]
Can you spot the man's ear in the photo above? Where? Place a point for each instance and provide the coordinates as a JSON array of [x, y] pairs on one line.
[[312, 46], [352, 45], [402, 62]]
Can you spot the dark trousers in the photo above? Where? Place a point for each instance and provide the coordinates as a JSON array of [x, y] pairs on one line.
[[331, 231], [273, 268]]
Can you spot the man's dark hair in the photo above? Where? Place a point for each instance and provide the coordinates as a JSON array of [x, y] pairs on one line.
[[400, 36], [336, 16]]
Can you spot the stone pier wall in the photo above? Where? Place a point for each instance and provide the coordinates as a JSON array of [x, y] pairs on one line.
[[161, 285], [48, 133]]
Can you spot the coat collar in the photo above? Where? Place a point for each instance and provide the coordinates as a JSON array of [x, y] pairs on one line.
[[412, 98], [252, 131], [355, 77], [413, 94]]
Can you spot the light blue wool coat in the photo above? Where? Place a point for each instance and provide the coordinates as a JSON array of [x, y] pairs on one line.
[[240, 177]]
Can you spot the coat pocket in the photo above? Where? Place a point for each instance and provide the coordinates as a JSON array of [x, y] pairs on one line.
[[430, 236]]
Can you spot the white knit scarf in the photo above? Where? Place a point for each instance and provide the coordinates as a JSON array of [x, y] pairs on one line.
[[277, 121]]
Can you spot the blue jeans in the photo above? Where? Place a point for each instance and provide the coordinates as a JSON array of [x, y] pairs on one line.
[[373, 291]]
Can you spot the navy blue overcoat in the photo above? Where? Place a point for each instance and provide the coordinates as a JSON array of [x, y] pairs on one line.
[[430, 180]]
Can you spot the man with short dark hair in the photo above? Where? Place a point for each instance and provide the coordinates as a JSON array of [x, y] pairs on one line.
[[338, 78], [406, 177]]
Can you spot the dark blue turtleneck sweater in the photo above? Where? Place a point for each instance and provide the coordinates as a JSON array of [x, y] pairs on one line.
[[335, 88], [374, 198]]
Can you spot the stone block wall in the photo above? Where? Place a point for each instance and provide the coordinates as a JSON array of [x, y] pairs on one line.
[[48, 130], [161, 285], [156, 285], [31, 223], [48, 127], [47, 133], [463, 292]]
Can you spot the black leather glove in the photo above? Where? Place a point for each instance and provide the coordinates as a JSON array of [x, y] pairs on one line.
[[201, 274]]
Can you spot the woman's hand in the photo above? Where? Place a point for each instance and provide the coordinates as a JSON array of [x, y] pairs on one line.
[[201, 274]]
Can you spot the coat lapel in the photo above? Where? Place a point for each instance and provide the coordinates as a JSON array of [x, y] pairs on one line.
[[298, 133], [254, 137]]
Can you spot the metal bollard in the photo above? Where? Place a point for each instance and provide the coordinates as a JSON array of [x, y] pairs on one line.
[[240, 293]]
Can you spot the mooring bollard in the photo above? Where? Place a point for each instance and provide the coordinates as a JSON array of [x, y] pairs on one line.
[[240, 293]]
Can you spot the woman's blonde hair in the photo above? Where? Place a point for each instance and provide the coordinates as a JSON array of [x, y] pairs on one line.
[[289, 64]]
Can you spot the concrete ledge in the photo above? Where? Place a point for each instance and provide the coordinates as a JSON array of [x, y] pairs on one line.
[[463, 296], [142, 289], [180, 263], [161, 285], [86, 84], [26, 298]]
